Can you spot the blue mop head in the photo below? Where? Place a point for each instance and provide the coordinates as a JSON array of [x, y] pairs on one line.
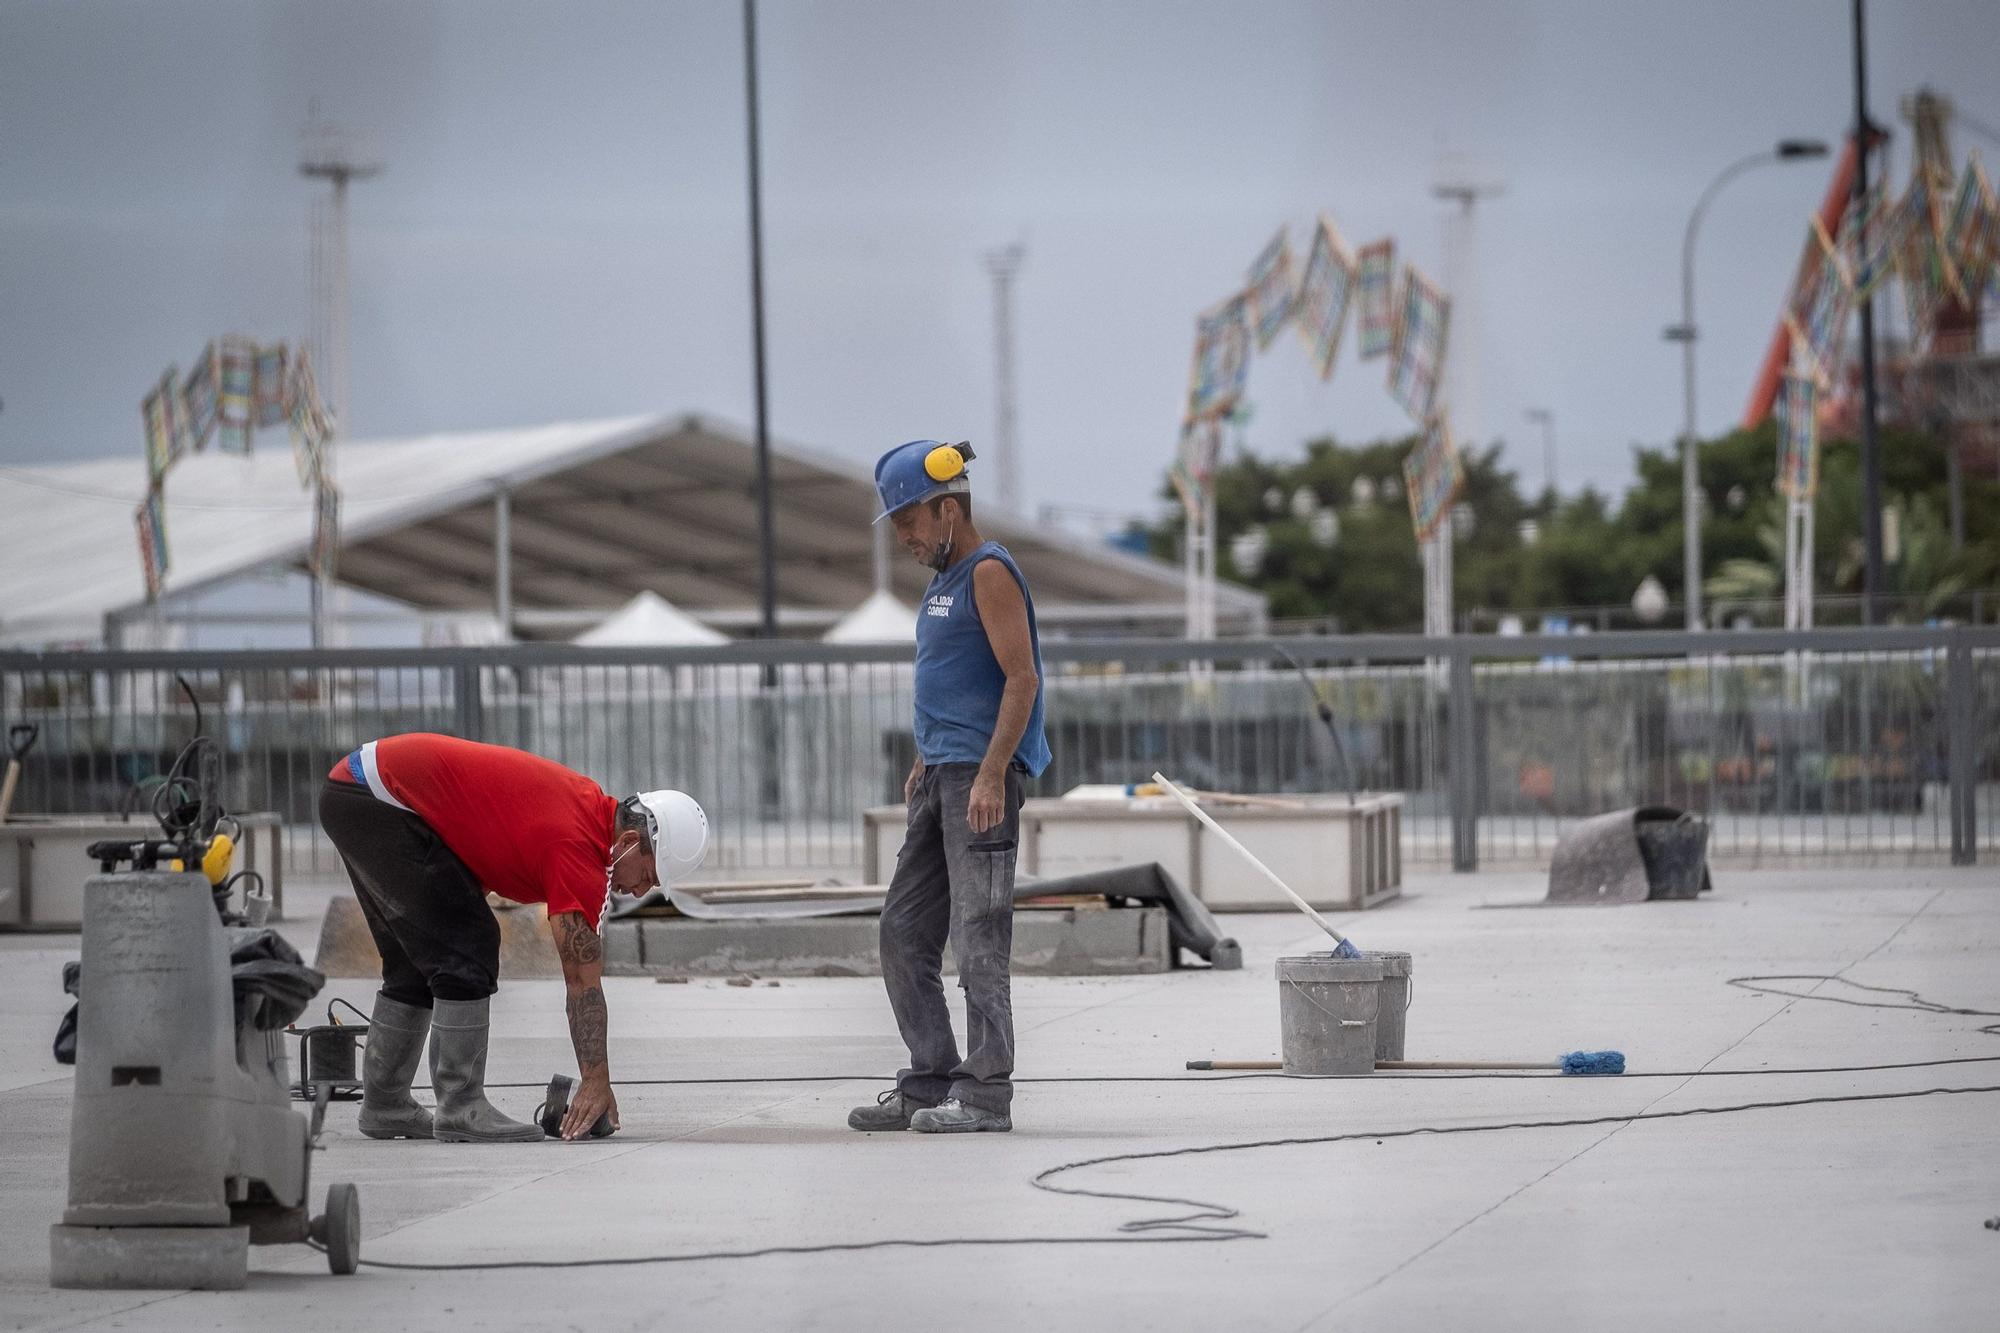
[[1347, 950], [1594, 1062]]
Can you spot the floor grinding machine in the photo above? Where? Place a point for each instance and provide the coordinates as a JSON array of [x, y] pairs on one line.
[[185, 1147]]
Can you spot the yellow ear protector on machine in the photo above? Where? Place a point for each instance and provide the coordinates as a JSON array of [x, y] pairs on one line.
[[216, 860], [947, 461], [215, 863]]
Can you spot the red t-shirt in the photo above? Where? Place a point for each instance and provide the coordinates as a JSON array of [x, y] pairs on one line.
[[530, 829]]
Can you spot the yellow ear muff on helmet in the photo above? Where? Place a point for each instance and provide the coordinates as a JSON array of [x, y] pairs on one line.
[[943, 463]]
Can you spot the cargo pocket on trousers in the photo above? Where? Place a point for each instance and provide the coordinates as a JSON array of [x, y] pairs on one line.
[[992, 862]]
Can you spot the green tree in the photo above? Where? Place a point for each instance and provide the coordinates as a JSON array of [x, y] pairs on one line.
[[1361, 569]]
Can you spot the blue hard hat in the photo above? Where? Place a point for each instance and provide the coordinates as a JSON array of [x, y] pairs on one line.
[[918, 471]]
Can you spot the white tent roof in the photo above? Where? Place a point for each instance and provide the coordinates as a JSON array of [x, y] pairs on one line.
[[650, 621], [599, 512], [880, 619], [71, 553]]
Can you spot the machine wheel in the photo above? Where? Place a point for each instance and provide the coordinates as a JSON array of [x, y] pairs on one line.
[[341, 1228]]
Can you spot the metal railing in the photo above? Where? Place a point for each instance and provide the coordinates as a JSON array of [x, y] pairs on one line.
[[1874, 745]]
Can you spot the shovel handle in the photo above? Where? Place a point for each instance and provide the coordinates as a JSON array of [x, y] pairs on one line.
[[1229, 839], [21, 738]]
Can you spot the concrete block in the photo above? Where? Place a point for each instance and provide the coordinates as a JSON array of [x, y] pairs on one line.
[[346, 949], [1046, 943], [43, 867], [1090, 943], [828, 946], [621, 949], [1338, 855], [133, 1258]]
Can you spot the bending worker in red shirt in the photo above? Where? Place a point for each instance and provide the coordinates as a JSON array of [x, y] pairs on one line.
[[426, 825]]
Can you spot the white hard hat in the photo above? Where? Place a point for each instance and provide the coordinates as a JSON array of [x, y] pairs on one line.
[[680, 833]]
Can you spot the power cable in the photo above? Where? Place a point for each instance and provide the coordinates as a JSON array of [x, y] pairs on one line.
[[1205, 1223], [1916, 1003], [1381, 1076], [1210, 1222]]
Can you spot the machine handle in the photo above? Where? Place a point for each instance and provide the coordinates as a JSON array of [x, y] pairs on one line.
[[21, 738]]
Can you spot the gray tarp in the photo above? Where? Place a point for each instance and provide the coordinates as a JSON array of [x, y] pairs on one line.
[[1630, 855]]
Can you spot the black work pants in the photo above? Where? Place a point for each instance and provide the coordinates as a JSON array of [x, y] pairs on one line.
[[424, 907]]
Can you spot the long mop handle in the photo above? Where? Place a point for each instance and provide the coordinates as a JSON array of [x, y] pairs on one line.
[[1218, 1066], [1246, 854], [1468, 1064]]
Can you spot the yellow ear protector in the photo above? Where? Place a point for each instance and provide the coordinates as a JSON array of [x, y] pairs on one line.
[[215, 864], [221, 852], [947, 461], [215, 861]]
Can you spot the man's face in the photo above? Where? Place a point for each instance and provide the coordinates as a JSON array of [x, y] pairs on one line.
[[632, 870], [919, 530]]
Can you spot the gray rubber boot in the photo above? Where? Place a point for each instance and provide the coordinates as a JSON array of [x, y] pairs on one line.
[[458, 1073], [396, 1033]]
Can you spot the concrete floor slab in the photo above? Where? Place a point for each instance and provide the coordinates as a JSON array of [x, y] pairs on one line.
[[1859, 1214]]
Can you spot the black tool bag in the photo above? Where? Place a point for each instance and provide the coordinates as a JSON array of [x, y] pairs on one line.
[[65, 1043]]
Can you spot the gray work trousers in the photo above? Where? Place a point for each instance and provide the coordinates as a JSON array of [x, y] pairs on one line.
[[953, 883]]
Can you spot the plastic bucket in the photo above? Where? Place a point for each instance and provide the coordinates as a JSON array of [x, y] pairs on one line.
[[1393, 1002], [1327, 1010]]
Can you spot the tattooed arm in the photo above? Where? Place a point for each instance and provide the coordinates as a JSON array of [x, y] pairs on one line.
[[582, 954]]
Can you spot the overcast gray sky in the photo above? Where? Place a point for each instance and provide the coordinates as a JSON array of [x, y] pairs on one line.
[[561, 229]]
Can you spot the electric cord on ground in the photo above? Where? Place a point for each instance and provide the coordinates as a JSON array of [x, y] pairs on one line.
[[1917, 1003], [1383, 1076], [1206, 1223]]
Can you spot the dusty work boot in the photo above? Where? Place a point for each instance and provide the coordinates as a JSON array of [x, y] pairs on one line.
[[458, 1074], [396, 1033], [892, 1110], [952, 1116]]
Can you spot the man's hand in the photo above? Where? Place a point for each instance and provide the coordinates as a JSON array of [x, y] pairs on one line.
[[910, 782], [593, 1098], [988, 805], [582, 955]]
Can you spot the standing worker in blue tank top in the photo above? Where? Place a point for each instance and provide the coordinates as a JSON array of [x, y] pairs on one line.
[[978, 733]]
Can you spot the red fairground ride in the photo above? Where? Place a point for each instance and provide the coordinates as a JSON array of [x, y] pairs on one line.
[[1935, 376]]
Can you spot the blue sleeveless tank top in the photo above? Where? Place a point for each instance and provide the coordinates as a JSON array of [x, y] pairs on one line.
[[959, 681]]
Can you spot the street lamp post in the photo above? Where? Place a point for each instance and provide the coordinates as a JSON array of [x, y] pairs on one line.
[[1546, 419], [1788, 150], [331, 153], [1871, 455], [767, 571]]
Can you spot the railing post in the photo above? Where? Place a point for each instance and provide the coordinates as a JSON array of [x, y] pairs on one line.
[[1960, 741], [1464, 786], [465, 701]]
